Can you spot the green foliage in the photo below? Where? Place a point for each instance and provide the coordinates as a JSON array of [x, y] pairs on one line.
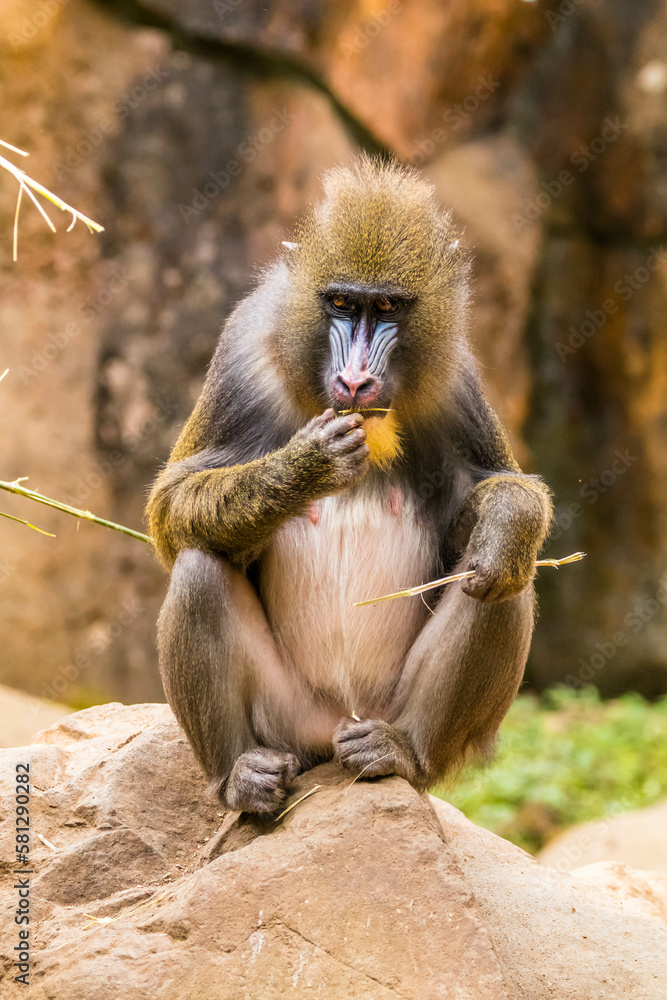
[[566, 758]]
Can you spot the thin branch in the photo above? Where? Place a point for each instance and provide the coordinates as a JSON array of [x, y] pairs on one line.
[[367, 409], [20, 520], [453, 577], [14, 149], [289, 808], [21, 491], [31, 185], [15, 255], [37, 205], [357, 776], [96, 922]]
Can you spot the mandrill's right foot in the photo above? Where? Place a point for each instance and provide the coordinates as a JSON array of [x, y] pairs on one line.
[[259, 780]]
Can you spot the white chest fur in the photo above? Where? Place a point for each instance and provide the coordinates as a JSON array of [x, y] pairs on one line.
[[311, 575]]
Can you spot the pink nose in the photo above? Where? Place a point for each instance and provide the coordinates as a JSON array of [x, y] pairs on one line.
[[353, 383], [347, 384]]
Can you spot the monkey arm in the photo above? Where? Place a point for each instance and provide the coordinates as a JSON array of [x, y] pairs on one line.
[[505, 518], [234, 510], [505, 515], [202, 503]]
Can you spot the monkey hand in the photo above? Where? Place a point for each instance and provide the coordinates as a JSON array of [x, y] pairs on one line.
[[335, 450], [259, 780], [511, 522], [497, 577], [373, 747]]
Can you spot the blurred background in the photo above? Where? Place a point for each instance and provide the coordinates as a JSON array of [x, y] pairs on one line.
[[196, 132]]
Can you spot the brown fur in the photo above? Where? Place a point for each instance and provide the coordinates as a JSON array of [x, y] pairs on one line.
[[381, 225], [274, 520]]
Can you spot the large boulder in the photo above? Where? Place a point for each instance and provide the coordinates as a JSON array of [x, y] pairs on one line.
[[637, 838], [141, 887]]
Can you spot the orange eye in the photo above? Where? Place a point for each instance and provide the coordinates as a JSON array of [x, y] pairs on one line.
[[386, 305], [340, 301]]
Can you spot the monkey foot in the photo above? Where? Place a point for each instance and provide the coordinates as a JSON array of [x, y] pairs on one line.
[[372, 747], [259, 780]]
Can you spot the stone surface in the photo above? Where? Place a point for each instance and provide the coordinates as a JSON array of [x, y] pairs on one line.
[[645, 892], [638, 839], [414, 74], [486, 180], [363, 890], [593, 107]]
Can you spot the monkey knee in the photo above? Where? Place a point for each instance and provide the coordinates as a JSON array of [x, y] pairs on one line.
[[199, 577], [194, 567]]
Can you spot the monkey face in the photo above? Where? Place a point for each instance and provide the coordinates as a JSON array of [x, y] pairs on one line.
[[364, 325]]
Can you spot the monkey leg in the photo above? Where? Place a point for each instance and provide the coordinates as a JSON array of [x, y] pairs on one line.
[[459, 680], [252, 725]]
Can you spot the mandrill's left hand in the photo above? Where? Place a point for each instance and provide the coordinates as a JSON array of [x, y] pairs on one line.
[[510, 517]]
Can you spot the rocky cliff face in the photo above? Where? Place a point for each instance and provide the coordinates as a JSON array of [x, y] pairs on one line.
[[196, 133], [141, 888]]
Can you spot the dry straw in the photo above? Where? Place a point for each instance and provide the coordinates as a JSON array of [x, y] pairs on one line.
[[453, 577], [15, 487], [27, 185], [294, 804]]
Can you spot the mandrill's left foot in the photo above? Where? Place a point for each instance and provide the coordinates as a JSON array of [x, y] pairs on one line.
[[373, 747]]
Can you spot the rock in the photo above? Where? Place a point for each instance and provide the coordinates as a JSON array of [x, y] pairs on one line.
[[21, 716], [363, 890], [414, 74], [25, 28], [596, 430], [645, 892], [554, 936], [638, 839], [486, 181]]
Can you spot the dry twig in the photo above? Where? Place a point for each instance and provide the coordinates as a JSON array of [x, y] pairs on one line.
[[21, 491], [357, 776], [289, 808], [453, 577], [28, 185]]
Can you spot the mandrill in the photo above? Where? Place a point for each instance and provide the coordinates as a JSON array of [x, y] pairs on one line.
[[342, 448]]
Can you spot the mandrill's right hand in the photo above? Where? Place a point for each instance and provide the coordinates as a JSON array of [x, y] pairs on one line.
[[333, 450]]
